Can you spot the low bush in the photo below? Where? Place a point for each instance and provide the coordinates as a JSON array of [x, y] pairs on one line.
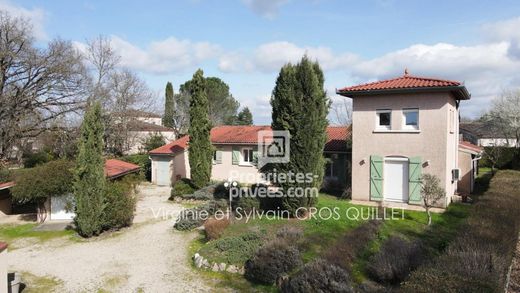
[[31, 160], [477, 260], [234, 250], [266, 203], [215, 227], [291, 234], [195, 217], [182, 188], [318, 276], [271, 261], [119, 205], [395, 260], [246, 204], [348, 247], [143, 160]]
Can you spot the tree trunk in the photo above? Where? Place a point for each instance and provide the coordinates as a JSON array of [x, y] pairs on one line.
[[429, 216]]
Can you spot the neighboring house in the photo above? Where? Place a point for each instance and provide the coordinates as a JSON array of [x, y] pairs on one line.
[[140, 126], [236, 148], [59, 207], [402, 128], [485, 135], [469, 154]]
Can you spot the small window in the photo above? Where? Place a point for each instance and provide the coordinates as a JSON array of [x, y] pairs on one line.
[[411, 119], [247, 155], [384, 118], [214, 156]]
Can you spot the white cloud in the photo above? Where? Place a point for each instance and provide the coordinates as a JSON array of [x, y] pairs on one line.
[[265, 8], [163, 57], [36, 16]]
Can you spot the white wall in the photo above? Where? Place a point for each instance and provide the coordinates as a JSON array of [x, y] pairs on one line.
[[486, 142]]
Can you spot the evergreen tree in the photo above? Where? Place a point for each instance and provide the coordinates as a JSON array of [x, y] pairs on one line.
[[244, 117], [89, 177], [200, 148], [169, 106], [300, 105]]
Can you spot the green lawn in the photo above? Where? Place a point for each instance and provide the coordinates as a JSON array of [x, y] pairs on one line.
[[10, 233], [320, 234]]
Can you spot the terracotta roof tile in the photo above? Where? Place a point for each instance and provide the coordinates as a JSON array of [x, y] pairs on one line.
[[405, 82], [116, 168], [469, 146], [137, 125], [336, 141]]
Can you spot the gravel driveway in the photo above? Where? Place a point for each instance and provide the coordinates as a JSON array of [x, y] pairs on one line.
[[149, 257]]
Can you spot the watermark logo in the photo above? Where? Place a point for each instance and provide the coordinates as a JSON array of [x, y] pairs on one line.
[[273, 147]]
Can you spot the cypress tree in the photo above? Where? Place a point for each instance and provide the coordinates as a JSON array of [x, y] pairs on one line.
[[200, 148], [300, 105], [89, 177], [169, 106]]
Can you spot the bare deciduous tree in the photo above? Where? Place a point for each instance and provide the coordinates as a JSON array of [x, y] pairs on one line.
[[36, 85], [119, 90], [505, 115], [342, 111]]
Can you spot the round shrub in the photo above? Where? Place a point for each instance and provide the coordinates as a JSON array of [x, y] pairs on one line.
[[272, 261], [119, 205], [395, 260], [318, 276], [143, 160], [182, 187]]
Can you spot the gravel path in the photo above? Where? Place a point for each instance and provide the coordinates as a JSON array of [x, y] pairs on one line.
[[150, 256]]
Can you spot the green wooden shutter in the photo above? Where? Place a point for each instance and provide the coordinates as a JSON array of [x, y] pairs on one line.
[[235, 156], [219, 157], [255, 157], [414, 180], [376, 178]]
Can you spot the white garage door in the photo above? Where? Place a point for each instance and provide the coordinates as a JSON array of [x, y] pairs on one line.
[[59, 205], [162, 172], [396, 179]]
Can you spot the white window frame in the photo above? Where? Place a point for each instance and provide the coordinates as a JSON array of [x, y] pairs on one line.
[[410, 127], [250, 155], [378, 125]]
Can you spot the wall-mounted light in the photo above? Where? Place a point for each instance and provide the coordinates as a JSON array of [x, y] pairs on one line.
[[426, 163], [363, 161]]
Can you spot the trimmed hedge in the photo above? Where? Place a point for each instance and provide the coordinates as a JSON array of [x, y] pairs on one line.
[[477, 260], [509, 158]]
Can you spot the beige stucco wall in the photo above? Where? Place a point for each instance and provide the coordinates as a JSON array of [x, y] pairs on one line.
[[433, 142], [3, 269], [136, 139], [243, 173], [464, 186]]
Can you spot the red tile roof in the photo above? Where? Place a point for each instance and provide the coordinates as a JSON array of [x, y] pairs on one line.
[[116, 168], [336, 141], [469, 146], [406, 82], [7, 185]]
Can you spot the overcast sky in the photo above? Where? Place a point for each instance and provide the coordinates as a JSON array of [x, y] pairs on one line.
[[245, 42]]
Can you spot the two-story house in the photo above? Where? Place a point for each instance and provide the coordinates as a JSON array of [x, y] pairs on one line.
[[405, 127]]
